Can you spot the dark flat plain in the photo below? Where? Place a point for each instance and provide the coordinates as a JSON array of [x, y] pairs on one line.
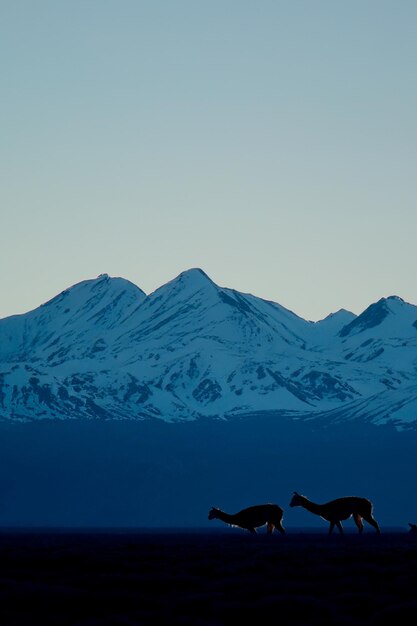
[[64, 578]]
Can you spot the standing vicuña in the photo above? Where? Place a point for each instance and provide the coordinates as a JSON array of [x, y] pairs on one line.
[[253, 517], [340, 509]]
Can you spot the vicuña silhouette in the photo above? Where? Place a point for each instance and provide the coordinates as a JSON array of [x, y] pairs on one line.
[[253, 517], [340, 509], [413, 528]]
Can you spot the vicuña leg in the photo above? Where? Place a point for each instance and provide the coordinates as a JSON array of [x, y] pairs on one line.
[[372, 521], [339, 526], [358, 521]]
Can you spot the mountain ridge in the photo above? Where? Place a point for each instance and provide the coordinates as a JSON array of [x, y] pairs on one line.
[[104, 349]]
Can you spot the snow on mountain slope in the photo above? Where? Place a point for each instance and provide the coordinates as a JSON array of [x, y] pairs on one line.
[[105, 349], [389, 314], [397, 407], [192, 306], [384, 335], [73, 325]]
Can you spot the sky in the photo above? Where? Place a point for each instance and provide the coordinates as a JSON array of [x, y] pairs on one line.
[[272, 143]]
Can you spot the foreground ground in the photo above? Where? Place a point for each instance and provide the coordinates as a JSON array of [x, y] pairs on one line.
[[206, 578]]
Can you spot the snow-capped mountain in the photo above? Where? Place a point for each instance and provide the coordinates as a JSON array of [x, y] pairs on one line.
[[104, 349]]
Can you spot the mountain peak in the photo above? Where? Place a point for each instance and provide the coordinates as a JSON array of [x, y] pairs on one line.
[[394, 299], [340, 313], [374, 315], [193, 279], [102, 284], [195, 274]]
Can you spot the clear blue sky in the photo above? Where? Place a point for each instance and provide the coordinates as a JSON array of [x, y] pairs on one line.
[[271, 143]]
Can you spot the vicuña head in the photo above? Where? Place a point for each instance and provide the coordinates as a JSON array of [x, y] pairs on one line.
[[340, 509], [252, 517]]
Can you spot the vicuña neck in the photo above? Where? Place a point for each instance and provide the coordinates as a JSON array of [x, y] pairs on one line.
[[225, 517], [311, 506]]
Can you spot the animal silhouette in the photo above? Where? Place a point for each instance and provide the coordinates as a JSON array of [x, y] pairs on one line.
[[413, 528], [252, 518], [340, 509]]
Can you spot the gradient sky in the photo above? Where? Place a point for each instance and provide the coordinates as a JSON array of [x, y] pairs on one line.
[[271, 143]]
